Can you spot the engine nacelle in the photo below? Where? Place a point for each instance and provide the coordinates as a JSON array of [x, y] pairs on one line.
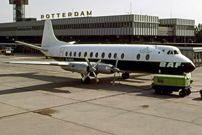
[[84, 68], [77, 67], [105, 69]]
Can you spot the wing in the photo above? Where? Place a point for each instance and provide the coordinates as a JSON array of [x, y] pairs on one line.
[[32, 46], [43, 63], [85, 68]]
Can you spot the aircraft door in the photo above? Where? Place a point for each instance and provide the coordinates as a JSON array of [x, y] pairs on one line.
[[61, 53]]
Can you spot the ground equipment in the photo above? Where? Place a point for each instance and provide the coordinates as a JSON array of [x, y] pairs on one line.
[[164, 83]]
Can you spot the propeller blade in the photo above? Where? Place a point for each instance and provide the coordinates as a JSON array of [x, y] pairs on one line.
[[114, 78], [117, 59], [121, 71], [97, 80], [88, 62], [92, 69], [98, 62], [85, 76]]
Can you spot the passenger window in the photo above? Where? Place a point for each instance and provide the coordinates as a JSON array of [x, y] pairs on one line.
[[74, 54], [66, 53], [168, 52], [96, 55], [70, 54], [109, 55], [91, 54], [147, 57], [122, 55], [85, 54], [79, 54], [115, 55], [103, 55], [138, 57]]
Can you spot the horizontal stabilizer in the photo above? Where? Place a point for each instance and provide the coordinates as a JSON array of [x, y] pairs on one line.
[[32, 46]]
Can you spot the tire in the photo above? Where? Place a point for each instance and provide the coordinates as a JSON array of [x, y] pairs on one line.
[[158, 91], [201, 93], [182, 93], [187, 91], [125, 76]]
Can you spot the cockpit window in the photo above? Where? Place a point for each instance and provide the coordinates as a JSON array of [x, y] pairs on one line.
[[169, 52], [175, 52]]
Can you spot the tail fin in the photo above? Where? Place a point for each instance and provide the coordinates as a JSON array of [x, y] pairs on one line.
[[49, 39]]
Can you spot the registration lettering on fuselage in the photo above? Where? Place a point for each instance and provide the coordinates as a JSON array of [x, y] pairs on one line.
[[170, 64], [69, 59], [145, 50]]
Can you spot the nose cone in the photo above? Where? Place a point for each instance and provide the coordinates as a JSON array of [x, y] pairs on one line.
[[191, 67], [188, 65]]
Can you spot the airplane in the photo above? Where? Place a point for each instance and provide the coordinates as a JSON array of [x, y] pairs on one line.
[[92, 59]]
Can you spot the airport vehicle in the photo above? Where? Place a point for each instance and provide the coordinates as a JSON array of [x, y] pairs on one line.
[[9, 51], [92, 59], [168, 83]]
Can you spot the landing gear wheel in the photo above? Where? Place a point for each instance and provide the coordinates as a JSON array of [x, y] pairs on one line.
[[182, 93], [125, 76], [200, 92], [86, 81]]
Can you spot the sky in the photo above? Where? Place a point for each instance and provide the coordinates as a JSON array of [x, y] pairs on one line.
[[186, 9]]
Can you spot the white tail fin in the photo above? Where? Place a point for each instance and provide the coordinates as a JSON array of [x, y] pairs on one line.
[[49, 38]]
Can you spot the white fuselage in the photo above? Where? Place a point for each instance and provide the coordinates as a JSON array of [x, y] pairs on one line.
[[162, 56]]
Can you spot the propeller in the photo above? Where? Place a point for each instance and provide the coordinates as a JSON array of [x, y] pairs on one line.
[[116, 70], [92, 69]]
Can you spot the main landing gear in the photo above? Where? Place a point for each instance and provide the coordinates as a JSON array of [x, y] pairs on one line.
[[125, 76], [86, 80]]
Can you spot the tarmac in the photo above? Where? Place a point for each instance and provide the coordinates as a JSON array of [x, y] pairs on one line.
[[46, 100]]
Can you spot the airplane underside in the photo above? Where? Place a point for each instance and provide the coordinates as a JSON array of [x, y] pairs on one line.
[[138, 66], [117, 66]]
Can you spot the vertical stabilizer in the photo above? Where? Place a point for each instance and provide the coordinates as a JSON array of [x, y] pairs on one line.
[[49, 39]]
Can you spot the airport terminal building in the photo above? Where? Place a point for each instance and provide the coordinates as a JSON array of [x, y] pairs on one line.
[[82, 27], [129, 28]]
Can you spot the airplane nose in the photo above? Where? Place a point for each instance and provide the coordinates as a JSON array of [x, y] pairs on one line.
[[191, 67]]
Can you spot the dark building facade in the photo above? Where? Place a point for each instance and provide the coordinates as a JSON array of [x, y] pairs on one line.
[[129, 28]]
